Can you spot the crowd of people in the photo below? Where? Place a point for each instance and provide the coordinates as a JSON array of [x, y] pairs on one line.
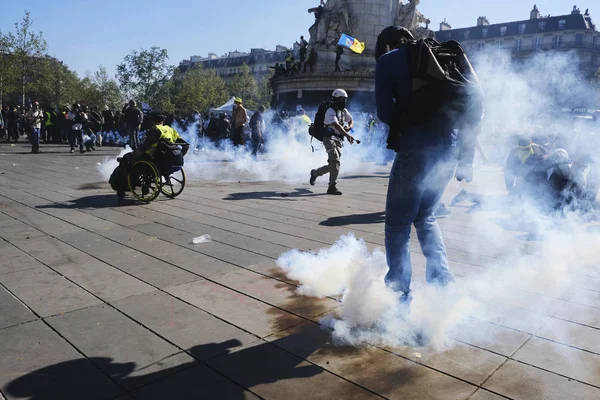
[[77, 125]]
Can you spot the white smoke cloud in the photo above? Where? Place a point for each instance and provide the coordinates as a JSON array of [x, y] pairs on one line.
[[288, 155], [108, 165], [543, 258]]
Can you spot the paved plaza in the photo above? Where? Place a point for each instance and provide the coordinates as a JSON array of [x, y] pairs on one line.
[[107, 300]]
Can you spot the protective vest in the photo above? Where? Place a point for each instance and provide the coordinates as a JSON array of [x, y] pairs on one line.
[[166, 133], [305, 119], [48, 119]]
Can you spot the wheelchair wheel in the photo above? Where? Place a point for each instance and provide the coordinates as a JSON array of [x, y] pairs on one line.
[[173, 185], [144, 181]]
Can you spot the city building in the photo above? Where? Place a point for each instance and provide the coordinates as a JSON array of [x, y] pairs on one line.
[[227, 66], [571, 32]]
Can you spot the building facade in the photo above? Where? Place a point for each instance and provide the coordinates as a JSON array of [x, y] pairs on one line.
[[571, 32], [229, 65]]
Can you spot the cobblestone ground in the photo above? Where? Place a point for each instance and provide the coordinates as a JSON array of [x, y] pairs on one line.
[[101, 300]]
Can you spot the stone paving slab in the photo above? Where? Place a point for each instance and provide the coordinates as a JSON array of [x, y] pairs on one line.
[[120, 347], [375, 369], [188, 327], [522, 382], [103, 280], [194, 383], [12, 311], [37, 363], [269, 371], [47, 292], [551, 356], [245, 312]]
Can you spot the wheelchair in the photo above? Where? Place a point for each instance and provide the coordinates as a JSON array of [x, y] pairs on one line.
[[146, 179]]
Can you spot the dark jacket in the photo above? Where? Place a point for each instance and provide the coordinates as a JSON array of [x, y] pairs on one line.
[[133, 116], [393, 92]]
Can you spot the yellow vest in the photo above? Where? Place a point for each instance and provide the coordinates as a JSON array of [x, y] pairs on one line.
[[166, 133], [48, 119], [305, 119]]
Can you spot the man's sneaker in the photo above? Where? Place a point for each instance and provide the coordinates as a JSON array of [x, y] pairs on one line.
[[333, 190], [72, 150], [313, 177]]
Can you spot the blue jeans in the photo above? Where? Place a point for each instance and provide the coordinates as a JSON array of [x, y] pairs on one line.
[[35, 139], [417, 181]]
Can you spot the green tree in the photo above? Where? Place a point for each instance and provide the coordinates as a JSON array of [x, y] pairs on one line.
[[244, 85], [143, 74], [265, 91], [109, 93], [26, 55], [198, 89]]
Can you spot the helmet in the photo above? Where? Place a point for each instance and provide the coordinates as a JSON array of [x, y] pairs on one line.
[[238, 100], [132, 103], [337, 93], [106, 108], [76, 106], [392, 36]]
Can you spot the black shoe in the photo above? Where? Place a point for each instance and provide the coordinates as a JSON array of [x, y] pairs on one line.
[[82, 151], [313, 177], [333, 190]]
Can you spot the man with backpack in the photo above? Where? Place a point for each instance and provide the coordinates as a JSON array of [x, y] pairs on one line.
[[433, 116], [332, 124]]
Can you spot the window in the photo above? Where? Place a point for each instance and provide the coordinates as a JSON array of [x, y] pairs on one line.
[[518, 43], [557, 41], [480, 46], [542, 25], [522, 28], [484, 32], [500, 44], [579, 38], [502, 30], [467, 33], [562, 24], [537, 43]]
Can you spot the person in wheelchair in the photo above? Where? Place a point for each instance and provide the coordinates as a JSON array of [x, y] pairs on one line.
[[163, 146]]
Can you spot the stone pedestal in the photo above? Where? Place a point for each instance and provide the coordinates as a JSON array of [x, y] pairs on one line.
[[362, 19]]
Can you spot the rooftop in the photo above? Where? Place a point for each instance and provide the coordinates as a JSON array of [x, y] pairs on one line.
[[535, 24]]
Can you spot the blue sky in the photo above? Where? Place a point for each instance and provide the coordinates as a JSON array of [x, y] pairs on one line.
[[86, 34]]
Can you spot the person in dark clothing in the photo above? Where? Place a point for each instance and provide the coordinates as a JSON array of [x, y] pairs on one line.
[[109, 120], [12, 124], [426, 160], [213, 127], [224, 127], [133, 118], [257, 125], [339, 51], [311, 60], [303, 47], [78, 120]]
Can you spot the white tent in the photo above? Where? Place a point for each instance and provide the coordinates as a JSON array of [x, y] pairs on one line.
[[227, 108]]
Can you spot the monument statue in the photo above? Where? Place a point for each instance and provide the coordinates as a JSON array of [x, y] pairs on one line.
[[332, 18], [410, 18]]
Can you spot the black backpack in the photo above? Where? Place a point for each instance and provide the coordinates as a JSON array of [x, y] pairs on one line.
[[445, 95], [318, 129]]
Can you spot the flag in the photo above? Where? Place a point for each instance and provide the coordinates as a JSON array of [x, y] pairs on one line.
[[351, 43]]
